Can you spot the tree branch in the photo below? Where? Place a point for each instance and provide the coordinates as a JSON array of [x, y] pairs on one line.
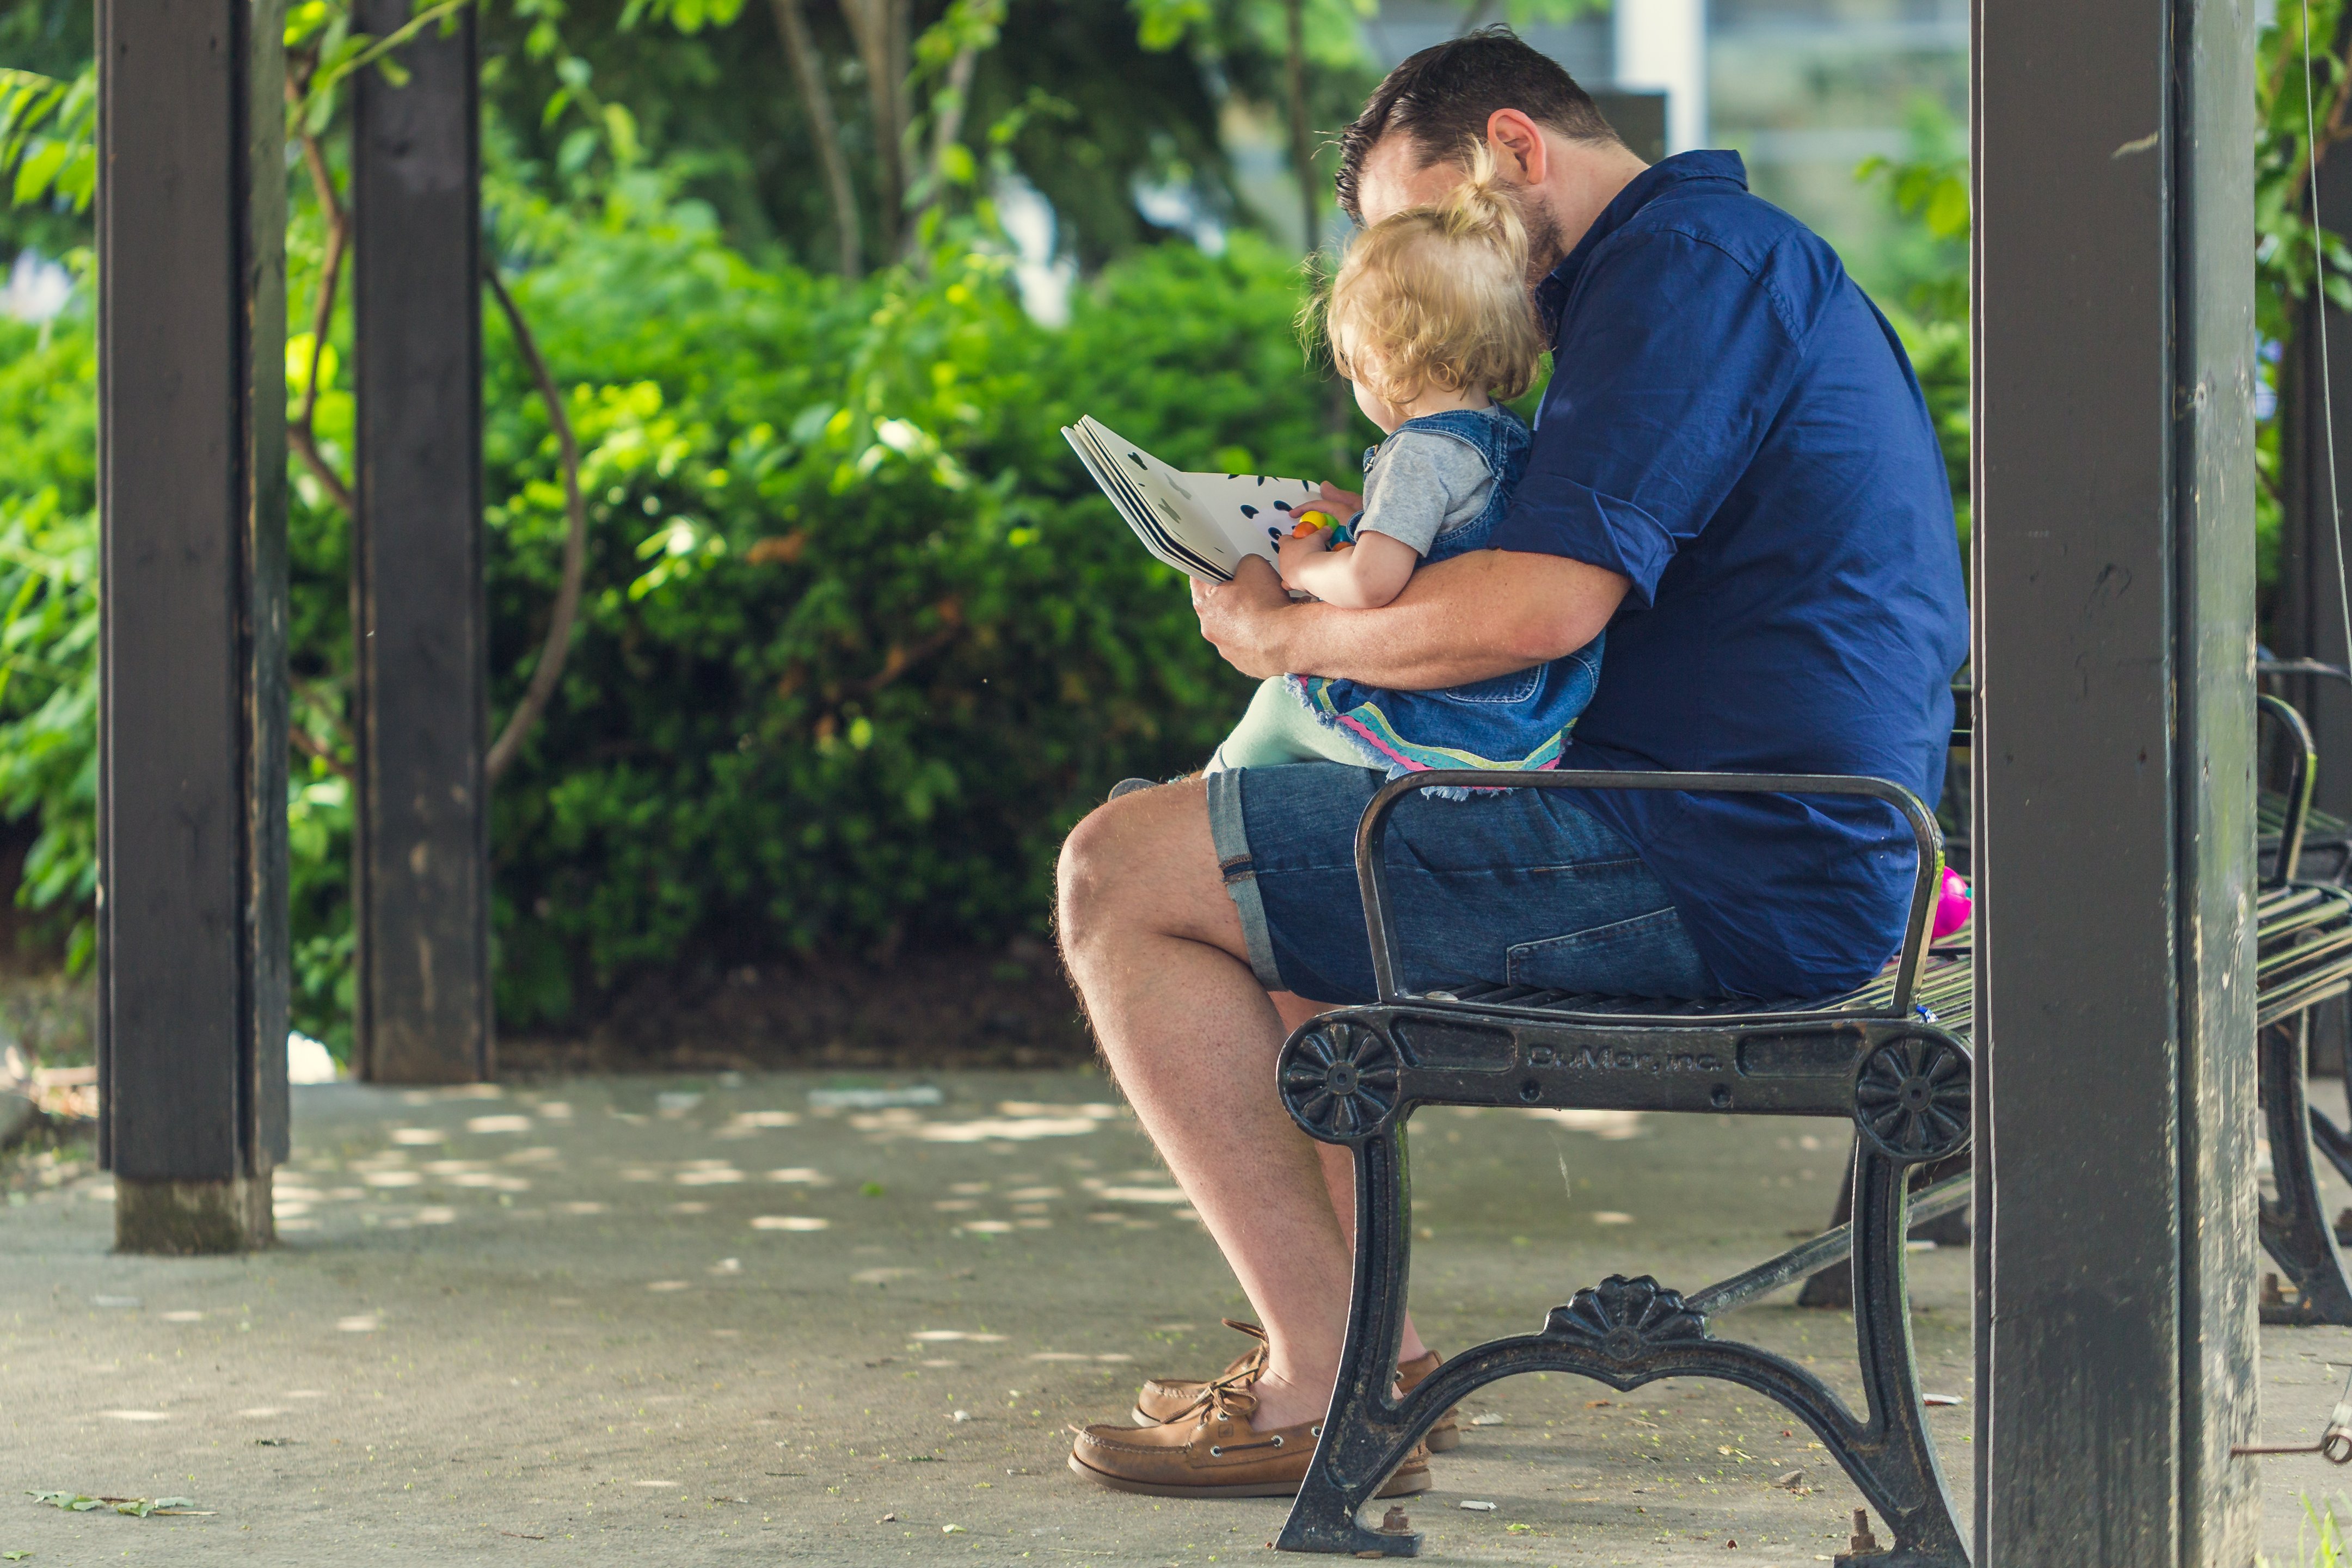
[[880, 29], [808, 70], [377, 50], [305, 743], [299, 435], [946, 126], [558, 647], [902, 657], [1302, 142]]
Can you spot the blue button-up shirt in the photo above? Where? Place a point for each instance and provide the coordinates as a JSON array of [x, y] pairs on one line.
[[1734, 427]]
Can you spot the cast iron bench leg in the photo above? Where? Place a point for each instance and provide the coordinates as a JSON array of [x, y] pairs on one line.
[[1625, 1332], [1367, 1433], [2294, 1227], [1895, 1449], [1834, 1286]]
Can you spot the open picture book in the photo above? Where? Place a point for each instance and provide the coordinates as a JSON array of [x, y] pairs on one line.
[[1200, 524]]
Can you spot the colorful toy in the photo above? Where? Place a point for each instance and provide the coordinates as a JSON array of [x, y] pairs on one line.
[[1955, 902], [1310, 522]]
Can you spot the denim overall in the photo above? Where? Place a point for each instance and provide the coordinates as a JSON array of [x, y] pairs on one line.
[[1518, 720]]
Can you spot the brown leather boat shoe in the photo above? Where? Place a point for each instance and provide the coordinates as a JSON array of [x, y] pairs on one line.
[[1166, 1398], [1213, 1451]]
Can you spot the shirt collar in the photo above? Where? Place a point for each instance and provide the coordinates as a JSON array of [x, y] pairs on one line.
[[1551, 294]]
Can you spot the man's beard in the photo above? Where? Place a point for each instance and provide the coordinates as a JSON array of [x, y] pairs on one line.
[[1544, 248]]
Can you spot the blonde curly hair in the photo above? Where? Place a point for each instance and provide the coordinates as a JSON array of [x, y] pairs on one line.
[[1437, 297]]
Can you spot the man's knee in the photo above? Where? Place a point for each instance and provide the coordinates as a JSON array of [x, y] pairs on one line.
[[1090, 859], [1143, 860]]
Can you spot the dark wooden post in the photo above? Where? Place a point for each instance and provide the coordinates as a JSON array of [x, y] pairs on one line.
[[2115, 781], [192, 494], [421, 894]]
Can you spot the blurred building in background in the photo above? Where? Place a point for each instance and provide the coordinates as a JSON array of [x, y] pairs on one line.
[[1807, 89]]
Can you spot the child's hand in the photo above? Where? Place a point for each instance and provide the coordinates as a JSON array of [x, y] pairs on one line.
[[1342, 503], [1294, 553]]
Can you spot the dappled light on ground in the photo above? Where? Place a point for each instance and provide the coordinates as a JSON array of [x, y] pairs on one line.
[[717, 1320]]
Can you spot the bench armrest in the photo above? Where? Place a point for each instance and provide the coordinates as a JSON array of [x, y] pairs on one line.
[[2303, 667], [1371, 840], [2303, 773]]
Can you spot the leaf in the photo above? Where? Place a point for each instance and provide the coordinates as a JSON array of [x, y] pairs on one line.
[[1948, 210], [1160, 25], [620, 129], [577, 148]]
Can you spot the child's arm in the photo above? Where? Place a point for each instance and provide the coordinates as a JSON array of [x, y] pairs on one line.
[[1364, 577]]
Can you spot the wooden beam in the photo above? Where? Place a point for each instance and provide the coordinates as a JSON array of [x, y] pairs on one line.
[[2115, 790], [192, 964], [421, 887]]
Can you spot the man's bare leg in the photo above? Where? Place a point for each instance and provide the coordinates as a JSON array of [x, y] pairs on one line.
[[1156, 948], [1339, 1168]]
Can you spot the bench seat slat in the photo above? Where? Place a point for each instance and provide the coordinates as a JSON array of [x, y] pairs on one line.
[[2303, 955]]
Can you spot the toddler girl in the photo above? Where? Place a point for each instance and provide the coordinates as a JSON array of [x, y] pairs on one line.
[[1430, 319]]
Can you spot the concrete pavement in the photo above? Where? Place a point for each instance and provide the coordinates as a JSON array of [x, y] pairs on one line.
[[721, 1319]]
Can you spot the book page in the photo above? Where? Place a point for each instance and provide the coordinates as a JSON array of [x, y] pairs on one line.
[[1122, 483], [1255, 512], [1219, 517]]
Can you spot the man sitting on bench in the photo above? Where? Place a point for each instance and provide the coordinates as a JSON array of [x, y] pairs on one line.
[[1735, 475]]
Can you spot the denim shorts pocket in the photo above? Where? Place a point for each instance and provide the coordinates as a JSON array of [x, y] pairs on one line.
[[1515, 687], [1648, 956]]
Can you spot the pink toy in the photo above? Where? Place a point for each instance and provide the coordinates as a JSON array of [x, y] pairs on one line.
[[1954, 904]]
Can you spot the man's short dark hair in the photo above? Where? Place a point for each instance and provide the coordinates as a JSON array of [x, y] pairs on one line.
[[1443, 96]]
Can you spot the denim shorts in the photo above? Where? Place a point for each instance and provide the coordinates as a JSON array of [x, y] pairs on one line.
[[1517, 887]]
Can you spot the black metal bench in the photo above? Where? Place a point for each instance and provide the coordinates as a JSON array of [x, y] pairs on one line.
[[2303, 952], [2296, 844], [1891, 1057]]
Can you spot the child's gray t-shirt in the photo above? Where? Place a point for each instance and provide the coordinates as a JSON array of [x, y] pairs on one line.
[[1421, 484]]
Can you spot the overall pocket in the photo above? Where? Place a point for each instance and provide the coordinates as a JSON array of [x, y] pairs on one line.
[[1648, 956]]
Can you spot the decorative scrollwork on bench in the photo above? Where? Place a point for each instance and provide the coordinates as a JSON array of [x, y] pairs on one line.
[[1626, 1319]]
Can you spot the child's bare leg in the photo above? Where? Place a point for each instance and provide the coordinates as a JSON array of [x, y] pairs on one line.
[[1277, 729]]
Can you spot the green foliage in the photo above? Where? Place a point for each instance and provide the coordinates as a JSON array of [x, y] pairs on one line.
[[49, 610], [2318, 1538], [47, 136], [48, 41], [2289, 103], [2299, 88], [1929, 188], [859, 642]]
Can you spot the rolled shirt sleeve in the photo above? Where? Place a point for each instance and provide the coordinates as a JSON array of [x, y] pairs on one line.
[[1670, 368]]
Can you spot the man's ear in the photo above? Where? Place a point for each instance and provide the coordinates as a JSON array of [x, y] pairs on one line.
[[1520, 151]]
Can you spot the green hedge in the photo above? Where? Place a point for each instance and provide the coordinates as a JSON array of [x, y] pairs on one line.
[[859, 641]]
